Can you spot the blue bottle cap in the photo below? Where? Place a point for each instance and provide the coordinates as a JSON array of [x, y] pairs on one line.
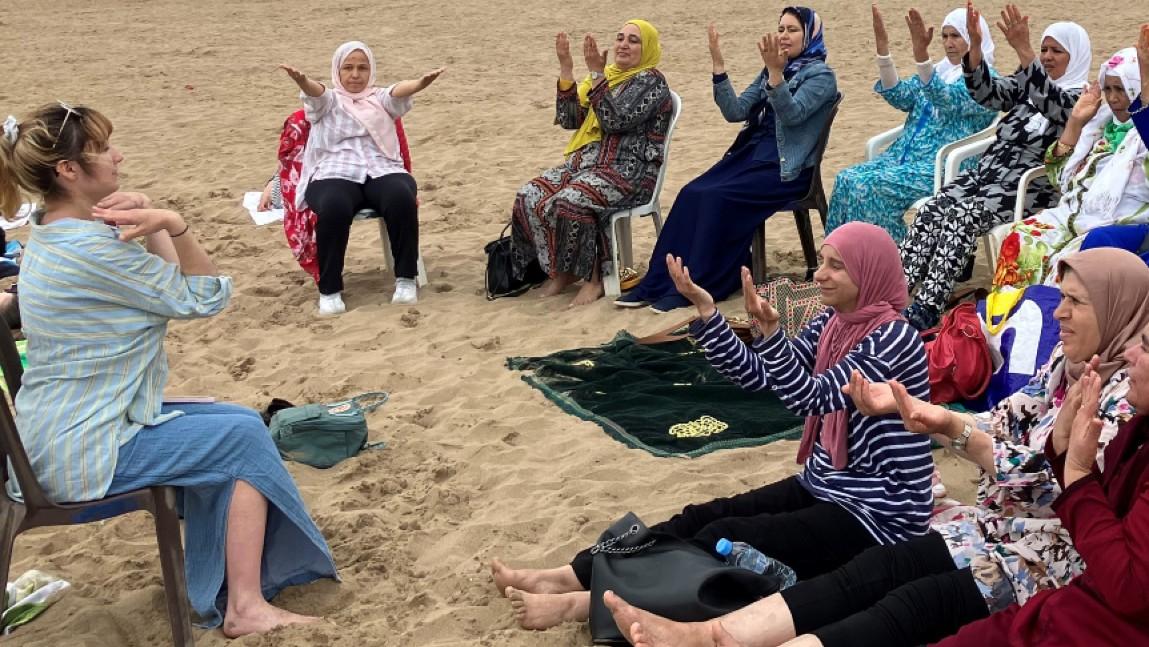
[[724, 547]]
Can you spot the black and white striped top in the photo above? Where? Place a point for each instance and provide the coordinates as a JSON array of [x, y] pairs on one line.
[[886, 482]]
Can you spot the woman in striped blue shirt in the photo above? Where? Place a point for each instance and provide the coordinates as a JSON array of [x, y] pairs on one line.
[[95, 306], [866, 479]]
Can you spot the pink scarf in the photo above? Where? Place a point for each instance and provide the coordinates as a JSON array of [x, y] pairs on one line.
[[365, 105], [875, 266]]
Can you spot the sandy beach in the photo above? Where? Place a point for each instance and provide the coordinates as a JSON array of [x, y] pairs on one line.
[[478, 464]]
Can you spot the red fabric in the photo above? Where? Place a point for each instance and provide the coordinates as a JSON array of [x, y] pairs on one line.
[[874, 265], [959, 363], [299, 224], [1107, 515]]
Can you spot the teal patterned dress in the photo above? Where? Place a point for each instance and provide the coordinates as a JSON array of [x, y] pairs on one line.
[[880, 191]]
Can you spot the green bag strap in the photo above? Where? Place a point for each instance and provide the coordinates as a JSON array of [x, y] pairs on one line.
[[376, 399]]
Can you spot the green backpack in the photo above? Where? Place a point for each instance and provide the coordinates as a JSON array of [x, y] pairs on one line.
[[322, 435]]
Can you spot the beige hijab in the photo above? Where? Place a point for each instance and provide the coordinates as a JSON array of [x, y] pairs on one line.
[[1118, 285]]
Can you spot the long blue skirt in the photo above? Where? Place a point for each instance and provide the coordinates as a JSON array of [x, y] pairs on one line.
[[713, 221], [204, 452]]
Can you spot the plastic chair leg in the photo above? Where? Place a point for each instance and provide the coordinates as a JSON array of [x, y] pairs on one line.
[[11, 514], [758, 255], [611, 284], [172, 564], [806, 235]]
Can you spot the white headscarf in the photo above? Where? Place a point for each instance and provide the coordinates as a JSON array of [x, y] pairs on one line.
[[949, 72], [1075, 40], [1108, 186]]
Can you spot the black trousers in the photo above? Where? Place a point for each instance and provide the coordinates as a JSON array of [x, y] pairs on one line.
[[783, 520], [335, 203], [889, 596]]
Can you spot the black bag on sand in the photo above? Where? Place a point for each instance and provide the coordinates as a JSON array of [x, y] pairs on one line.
[[500, 279], [667, 576]]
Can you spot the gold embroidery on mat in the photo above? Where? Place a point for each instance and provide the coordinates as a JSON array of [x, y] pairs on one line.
[[701, 428]]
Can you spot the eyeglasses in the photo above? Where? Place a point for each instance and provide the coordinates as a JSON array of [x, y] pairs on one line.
[[71, 111]]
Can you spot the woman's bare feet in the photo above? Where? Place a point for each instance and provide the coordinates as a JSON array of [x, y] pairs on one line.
[[260, 617], [540, 611], [590, 292], [644, 629], [556, 284], [532, 580]]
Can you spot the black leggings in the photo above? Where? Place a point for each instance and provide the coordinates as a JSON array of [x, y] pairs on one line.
[[335, 203], [783, 520], [888, 596]]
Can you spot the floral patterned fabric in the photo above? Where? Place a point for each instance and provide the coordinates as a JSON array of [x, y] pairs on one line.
[[1012, 539], [299, 224]]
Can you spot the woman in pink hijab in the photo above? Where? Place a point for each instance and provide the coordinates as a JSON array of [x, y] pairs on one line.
[[352, 162], [865, 480]]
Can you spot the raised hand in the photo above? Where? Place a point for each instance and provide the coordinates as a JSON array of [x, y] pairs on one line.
[[881, 38], [680, 274], [563, 49], [1086, 432], [429, 77], [134, 223], [1087, 104], [309, 86], [595, 60], [758, 308], [920, 35], [973, 23], [919, 416], [121, 200], [1064, 423], [870, 398], [712, 37], [772, 55], [1015, 27]]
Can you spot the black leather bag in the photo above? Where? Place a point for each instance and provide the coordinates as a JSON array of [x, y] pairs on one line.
[[500, 279], [667, 576]]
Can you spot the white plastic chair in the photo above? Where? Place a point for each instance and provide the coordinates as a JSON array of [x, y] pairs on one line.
[[388, 260], [996, 236], [618, 233]]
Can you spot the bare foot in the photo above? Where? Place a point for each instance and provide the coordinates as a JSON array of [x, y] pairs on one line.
[[644, 629], [531, 580], [556, 284], [540, 611], [590, 292], [260, 618]]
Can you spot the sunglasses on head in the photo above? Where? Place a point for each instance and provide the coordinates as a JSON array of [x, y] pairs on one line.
[[70, 111]]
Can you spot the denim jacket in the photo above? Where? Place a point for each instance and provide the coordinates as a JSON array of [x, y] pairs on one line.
[[801, 109]]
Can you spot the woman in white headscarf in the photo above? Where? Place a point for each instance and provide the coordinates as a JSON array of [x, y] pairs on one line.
[[352, 162], [1037, 99], [1100, 165], [938, 111]]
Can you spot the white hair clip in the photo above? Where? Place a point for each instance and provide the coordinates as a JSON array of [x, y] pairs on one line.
[[11, 129]]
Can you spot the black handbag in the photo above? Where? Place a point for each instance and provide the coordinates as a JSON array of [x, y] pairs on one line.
[[500, 279], [667, 576]]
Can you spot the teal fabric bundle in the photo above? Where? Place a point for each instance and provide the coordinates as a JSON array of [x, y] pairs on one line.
[[664, 397]]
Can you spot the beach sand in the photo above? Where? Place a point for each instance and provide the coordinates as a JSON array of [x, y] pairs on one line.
[[478, 464]]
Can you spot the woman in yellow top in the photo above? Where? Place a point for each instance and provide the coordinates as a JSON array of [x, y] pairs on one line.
[[620, 113]]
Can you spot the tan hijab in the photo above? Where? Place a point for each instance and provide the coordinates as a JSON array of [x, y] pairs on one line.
[[1118, 285]]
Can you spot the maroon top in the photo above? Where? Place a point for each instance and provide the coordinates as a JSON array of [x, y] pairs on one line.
[[1107, 515]]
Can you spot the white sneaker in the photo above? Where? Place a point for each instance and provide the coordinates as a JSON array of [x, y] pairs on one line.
[[331, 304], [405, 292]]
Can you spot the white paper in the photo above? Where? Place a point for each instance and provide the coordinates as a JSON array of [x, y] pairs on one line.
[[251, 203], [22, 215]]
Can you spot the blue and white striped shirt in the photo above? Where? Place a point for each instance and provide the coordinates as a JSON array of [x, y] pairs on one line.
[[886, 482], [95, 312]]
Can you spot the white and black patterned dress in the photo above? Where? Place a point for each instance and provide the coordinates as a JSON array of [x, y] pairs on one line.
[[560, 217], [944, 235]]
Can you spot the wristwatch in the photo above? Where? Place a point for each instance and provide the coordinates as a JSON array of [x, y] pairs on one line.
[[594, 76], [962, 438]]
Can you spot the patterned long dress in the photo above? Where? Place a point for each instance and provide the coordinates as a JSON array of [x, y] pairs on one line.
[[944, 234], [1012, 539], [1035, 245], [560, 217], [879, 191]]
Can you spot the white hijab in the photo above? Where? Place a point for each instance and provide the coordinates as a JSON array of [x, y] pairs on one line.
[[1075, 40], [949, 72], [1105, 192]]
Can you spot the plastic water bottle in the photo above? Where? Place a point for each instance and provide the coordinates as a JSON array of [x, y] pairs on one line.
[[743, 555]]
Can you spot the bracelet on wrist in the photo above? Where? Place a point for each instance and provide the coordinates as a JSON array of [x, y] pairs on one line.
[[186, 228]]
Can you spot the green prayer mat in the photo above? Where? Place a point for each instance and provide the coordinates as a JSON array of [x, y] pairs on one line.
[[664, 398]]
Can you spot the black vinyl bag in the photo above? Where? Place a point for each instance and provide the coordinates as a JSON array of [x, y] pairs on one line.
[[500, 279]]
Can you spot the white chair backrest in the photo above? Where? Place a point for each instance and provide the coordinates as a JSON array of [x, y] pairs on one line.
[[677, 100]]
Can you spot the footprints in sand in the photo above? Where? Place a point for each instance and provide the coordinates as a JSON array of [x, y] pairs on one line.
[[411, 318], [242, 368]]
